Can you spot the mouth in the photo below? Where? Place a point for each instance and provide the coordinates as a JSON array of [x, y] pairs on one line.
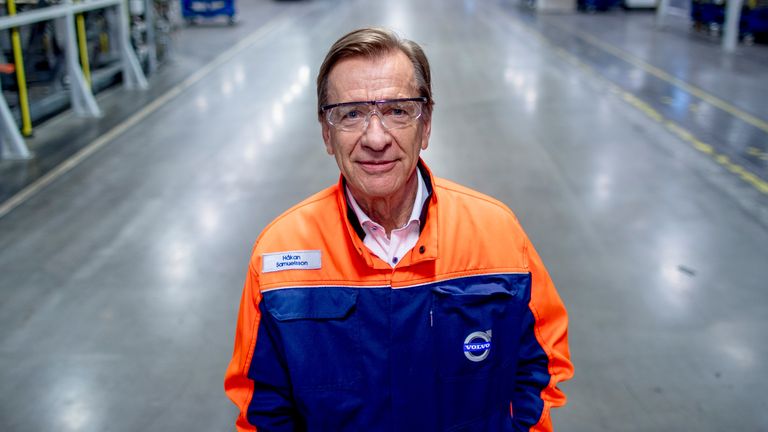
[[377, 167]]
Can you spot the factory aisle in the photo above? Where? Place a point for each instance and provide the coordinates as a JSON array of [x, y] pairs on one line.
[[122, 277]]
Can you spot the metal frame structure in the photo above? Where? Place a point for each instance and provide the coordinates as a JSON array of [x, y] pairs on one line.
[[12, 145]]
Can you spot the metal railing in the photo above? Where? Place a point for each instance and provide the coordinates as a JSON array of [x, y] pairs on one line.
[[12, 145]]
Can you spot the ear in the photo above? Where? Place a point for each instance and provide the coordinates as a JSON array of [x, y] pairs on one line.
[[425, 132], [327, 137]]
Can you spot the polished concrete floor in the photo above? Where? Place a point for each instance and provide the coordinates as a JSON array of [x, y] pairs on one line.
[[636, 171]]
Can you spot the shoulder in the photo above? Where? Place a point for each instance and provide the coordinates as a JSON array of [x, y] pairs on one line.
[[458, 198], [488, 232]]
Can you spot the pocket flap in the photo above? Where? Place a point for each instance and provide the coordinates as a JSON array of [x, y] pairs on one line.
[[483, 287], [310, 303], [487, 289]]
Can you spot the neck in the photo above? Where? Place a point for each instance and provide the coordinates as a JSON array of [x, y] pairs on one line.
[[390, 212]]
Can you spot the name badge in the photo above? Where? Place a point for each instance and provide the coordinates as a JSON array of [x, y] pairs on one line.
[[291, 260]]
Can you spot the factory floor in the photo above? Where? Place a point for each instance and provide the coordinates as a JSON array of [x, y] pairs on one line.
[[635, 157]]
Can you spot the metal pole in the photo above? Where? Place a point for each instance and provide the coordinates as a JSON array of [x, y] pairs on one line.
[[12, 145], [661, 11], [53, 12], [149, 20], [732, 20], [82, 43], [113, 30], [83, 102], [21, 79], [133, 76]]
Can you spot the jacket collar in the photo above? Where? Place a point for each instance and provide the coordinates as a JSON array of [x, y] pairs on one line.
[[427, 242]]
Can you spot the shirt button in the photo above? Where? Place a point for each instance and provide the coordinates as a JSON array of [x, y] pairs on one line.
[[394, 260]]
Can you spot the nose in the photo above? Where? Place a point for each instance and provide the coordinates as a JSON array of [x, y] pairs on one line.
[[375, 136]]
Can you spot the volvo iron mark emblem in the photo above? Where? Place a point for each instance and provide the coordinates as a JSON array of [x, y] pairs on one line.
[[477, 346]]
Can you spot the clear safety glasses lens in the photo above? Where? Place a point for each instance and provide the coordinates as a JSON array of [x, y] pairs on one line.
[[353, 117]]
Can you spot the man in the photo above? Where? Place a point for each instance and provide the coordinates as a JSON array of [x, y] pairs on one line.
[[394, 300]]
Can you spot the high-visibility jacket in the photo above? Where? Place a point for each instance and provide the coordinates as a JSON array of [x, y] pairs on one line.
[[465, 333]]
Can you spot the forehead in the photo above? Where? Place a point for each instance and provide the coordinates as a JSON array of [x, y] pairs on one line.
[[360, 78]]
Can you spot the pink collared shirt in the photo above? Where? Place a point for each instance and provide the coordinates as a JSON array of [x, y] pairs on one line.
[[402, 239]]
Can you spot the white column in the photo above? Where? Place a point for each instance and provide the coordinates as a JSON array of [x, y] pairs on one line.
[[732, 19]]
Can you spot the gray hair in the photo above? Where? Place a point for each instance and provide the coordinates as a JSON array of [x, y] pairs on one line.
[[374, 43]]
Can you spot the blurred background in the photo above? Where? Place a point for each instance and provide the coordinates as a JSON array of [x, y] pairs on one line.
[[145, 145]]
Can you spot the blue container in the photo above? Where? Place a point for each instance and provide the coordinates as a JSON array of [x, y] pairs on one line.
[[757, 21], [597, 5], [191, 9]]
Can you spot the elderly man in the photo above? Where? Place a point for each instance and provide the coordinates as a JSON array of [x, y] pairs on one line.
[[394, 300]]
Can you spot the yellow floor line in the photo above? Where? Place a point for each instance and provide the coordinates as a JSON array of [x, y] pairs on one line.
[[664, 76], [750, 178]]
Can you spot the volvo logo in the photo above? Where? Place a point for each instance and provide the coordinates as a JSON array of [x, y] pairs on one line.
[[477, 346]]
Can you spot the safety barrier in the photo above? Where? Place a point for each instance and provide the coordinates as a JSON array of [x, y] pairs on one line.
[[12, 145]]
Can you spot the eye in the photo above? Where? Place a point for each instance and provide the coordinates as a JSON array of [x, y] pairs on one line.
[[351, 115], [395, 111]]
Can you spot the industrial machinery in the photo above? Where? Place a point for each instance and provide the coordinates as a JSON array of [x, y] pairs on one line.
[[57, 54]]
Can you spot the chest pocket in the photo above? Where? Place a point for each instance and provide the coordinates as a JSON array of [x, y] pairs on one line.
[[474, 325], [318, 329]]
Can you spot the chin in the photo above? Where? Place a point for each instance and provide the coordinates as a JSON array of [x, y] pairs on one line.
[[380, 188]]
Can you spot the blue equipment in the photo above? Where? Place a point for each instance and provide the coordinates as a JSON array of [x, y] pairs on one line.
[[191, 9], [710, 14], [597, 5]]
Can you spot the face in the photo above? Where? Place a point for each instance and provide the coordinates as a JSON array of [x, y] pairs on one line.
[[376, 163]]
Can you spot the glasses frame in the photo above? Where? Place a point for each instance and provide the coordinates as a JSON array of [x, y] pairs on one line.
[[327, 110]]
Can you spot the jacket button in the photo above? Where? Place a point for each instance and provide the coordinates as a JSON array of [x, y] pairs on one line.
[[422, 249]]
